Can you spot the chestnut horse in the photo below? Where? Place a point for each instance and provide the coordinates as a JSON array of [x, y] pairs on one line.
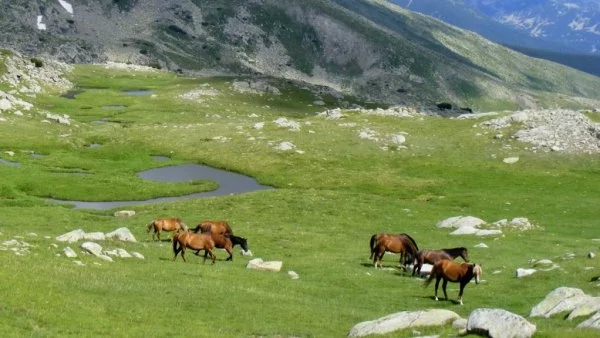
[[218, 227], [194, 241], [165, 224], [397, 243], [227, 243], [454, 272], [432, 256]]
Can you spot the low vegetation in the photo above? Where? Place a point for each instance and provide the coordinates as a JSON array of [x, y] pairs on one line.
[[330, 197]]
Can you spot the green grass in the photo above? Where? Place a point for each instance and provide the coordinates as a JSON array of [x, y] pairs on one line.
[[328, 202]]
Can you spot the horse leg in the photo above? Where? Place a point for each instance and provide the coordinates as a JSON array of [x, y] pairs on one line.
[[212, 255], [460, 293], [183, 252], [444, 288], [437, 283], [158, 235], [229, 251]]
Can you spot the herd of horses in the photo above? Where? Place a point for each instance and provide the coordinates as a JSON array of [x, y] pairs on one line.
[[208, 235], [443, 265]]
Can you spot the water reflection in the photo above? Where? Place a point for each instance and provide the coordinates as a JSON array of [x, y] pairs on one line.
[[14, 164], [138, 92], [229, 184]]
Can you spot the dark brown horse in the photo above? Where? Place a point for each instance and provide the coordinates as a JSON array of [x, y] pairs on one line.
[[217, 227], [397, 243], [432, 256], [227, 243], [454, 272], [184, 240], [165, 224]]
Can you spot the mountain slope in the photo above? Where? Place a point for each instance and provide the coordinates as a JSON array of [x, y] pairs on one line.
[[369, 48]]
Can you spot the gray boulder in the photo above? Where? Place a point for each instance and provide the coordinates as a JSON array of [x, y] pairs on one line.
[[553, 299], [122, 234], [403, 320], [593, 322], [72, 236], [499, 323]]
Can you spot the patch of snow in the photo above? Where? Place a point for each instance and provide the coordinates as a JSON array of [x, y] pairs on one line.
[[67, 6], [40, 25]]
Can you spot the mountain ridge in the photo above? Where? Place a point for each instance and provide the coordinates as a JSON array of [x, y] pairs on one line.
[[368, 48]]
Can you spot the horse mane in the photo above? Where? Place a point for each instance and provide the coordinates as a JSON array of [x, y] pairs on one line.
[[414, 244]]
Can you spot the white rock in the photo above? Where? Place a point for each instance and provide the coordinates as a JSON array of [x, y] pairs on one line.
[[94, 236], [72, 236], [521, 272], [592, 322], [293, 274], [499, 323], [69, 252], [137, 255], [259, 264], [465, 231], [553, 298], [510, 160], [460, 221], [403, 320], [481, 245], [122, 234], [124, 213], [92, 247]]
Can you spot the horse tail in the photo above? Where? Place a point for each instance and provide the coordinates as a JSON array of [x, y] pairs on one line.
[[149, 226], [430, 278], [372, 245]]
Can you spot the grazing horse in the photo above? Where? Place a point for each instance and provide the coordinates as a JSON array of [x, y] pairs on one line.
[[165, 224], [432, 256], [227, 243], [194, 241], [397, 243], [218, 227], [454, 272]]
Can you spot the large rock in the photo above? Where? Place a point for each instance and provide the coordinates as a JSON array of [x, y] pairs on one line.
[[403, 320], [553, 299], [499, 323], [461, 221], [122, 234], [593, 322], [585, 308], [259, 264], [72, 236]]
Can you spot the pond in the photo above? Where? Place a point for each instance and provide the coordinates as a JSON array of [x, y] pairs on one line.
[[139, 92], [14, 164], [230, 183]]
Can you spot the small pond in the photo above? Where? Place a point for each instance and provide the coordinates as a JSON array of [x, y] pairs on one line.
[[14, 164], [229, 184]]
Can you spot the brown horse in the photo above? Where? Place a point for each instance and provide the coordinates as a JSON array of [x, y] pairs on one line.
[[217, 227], [227, 243], [165, 224], [198, 242], [397, 243], [454, 272], [432, 256]]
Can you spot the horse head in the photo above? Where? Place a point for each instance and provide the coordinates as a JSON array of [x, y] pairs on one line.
[[477, 272], [241, 241], [149, 226]]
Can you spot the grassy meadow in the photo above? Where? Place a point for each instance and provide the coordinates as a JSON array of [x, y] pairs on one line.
[[331, 195]]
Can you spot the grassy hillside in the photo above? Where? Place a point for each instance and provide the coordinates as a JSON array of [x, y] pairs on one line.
[[329, 199]]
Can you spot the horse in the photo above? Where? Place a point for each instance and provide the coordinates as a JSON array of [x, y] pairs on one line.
[[194, 241], [400, 243], [165, 224], [432, 256], [219, 227], [227, 243], [454, 272]]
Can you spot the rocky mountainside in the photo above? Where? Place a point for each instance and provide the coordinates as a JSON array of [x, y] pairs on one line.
[[362, 47]]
